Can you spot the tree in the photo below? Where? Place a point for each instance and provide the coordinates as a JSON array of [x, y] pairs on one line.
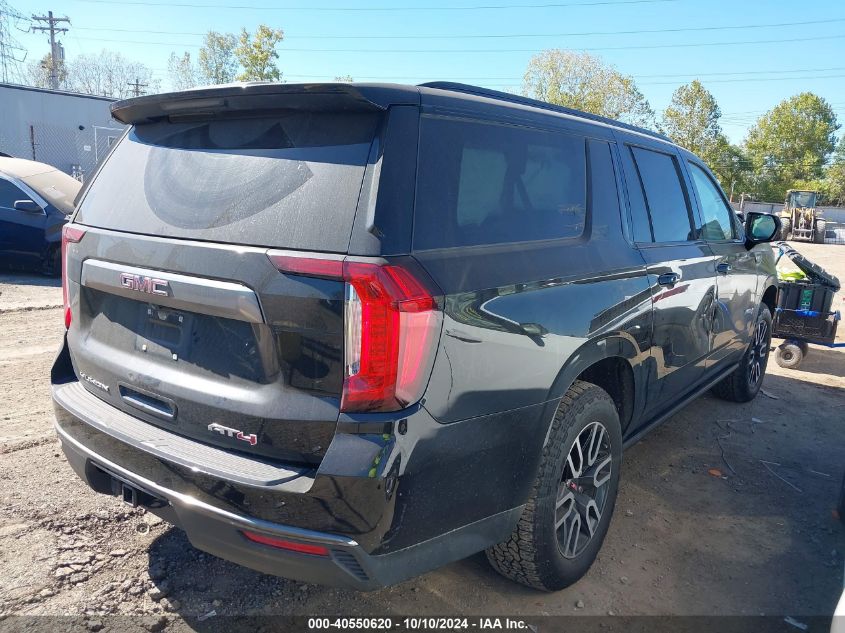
[[692, 121], [791, 143], [183, 74], [109, 74], [257, 54], [217, 61], [833, 183], [731, 166], [38, 73], [344, 79], [585, 82]]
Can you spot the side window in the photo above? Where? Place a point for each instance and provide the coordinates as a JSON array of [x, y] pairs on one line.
[[9, 193], [665, 200], [485, 183], [715, 213]]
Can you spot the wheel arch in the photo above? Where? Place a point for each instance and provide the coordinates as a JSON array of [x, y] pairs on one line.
[[613, 363], [770, 296]]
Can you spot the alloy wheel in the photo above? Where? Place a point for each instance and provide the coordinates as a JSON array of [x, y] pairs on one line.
[[583, 491], [758, 352]]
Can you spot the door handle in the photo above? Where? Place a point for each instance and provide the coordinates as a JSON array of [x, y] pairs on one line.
[[723, 268], [668, 279]]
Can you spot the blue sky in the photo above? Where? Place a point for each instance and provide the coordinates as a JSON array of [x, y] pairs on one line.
[[400, 41]]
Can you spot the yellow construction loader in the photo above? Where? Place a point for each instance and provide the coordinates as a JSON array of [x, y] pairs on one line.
[[800, 219]]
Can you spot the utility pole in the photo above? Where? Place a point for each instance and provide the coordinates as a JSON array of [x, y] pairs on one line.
[[136, 87], [57, 54]]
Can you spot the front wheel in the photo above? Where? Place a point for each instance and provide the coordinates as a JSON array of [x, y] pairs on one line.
[[743, 384], [785, 229], [818, 235], [568, 513]]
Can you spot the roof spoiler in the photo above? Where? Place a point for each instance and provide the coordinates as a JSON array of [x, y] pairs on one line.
[[249, 98]]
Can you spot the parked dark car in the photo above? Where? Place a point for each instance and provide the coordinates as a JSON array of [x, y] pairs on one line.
[[35, 202], [349, 333]]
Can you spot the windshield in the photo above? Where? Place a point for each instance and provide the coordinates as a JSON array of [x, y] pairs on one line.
[[56, 187], [803, 198]]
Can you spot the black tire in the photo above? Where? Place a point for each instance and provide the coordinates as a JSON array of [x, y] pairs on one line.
[[789, 355], [51, 266], [785, 228], [743, 384], [821, 227], [533, 554]]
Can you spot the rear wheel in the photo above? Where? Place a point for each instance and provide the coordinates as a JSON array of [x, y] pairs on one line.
[[51, 266], [785, 229], [821, 227], [743, 384], [566, 518], [790, 355]]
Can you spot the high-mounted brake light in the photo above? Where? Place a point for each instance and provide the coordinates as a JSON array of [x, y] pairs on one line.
[[392, 323], [70, 235]]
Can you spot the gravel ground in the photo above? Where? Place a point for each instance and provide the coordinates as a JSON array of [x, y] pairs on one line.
[[760, 539]]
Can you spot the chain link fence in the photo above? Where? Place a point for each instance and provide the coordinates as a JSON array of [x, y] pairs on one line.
[[68, 131]]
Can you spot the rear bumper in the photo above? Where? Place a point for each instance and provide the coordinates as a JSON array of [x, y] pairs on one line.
[[348, 511], [219, 532]]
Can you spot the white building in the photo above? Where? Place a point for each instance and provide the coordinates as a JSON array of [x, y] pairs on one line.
[[67, 130]]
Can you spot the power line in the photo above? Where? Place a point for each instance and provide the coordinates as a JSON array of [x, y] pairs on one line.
[[499, 35], [484, 7], [12, 54], [491, 50]]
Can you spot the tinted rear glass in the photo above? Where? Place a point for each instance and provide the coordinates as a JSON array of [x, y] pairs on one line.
[[290, 181], [484, 183], [664, 195]]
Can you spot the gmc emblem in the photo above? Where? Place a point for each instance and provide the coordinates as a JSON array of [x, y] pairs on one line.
[[150, 285]]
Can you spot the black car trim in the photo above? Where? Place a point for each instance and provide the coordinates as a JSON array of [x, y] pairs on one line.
[[175, 448], [204, 508]]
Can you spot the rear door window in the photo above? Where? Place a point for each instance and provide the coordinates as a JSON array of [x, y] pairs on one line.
[[485, 183], [665, 199], [287, 181], [716, 214]]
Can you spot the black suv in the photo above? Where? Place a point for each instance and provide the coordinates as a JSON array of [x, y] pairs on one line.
[[348, 333]]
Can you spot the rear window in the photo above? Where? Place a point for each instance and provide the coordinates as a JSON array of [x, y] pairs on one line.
[[290, 181], [484, 183]]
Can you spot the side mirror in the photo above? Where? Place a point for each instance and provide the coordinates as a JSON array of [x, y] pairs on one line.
[[760, 228], [28, 205]]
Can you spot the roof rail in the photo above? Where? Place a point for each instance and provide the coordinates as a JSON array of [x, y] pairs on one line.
[[536, 103]]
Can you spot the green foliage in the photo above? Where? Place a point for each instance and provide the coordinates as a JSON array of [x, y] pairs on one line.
[[217, 61], [344, 79], [790, 144], [257, 54], [38, 72], [692, 121], [832, 186], [585, 82]]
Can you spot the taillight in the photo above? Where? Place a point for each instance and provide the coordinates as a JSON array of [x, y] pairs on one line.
[[392, 323], [70, 235]]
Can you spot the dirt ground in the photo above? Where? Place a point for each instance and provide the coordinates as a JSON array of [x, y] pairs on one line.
[[761, 539]]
